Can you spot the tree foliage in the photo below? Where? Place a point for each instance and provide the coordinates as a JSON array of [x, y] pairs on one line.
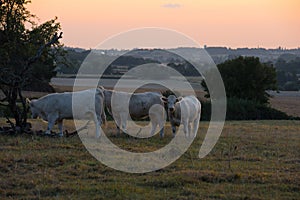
[[287, 71], [27, 55], [247, 78]]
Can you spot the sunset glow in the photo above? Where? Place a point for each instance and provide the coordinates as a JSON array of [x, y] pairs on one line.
[[231, 23]]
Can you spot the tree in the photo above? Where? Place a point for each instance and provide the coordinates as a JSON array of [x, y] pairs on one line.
[[22, 51], [287, 72], [247, 78]]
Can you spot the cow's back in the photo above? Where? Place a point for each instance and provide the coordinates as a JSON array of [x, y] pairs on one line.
[[190, 107], [140, 103], [64, 103], [87, 101]]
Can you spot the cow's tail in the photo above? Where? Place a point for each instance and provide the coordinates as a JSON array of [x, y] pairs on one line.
[[102, 115], [103, 119]]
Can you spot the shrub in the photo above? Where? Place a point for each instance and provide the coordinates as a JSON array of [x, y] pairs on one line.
[[241, 109]]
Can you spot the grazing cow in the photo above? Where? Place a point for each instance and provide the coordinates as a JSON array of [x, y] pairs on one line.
[[139, 108], [58, 106], [184, 110]]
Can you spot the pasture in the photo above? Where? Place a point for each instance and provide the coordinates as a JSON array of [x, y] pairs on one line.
[[286, 101], [252, 160]]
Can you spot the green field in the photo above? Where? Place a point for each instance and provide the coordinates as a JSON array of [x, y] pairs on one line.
[[252, 160]]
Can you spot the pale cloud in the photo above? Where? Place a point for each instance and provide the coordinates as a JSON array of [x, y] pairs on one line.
[[171, 5]]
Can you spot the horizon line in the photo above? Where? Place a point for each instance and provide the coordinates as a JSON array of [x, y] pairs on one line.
[[192, 47]]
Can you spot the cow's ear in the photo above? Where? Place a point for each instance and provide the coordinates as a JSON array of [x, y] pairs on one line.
[[164, 99], [178, 99]]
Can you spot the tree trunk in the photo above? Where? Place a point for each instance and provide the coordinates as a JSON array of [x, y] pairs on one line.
[[19, 113]]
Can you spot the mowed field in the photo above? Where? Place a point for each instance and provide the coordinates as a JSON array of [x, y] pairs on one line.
[[288, 102], [252, 160]]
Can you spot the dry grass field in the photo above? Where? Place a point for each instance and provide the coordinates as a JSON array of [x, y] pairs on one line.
[[287, 104], [252, 160]]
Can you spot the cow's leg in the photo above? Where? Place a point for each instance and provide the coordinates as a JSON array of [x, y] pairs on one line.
[[196, 125], [60, 127], [153, 119], [50, 126], [103, 118], [173, 130], [118, 124], [156, 115], [160, 121], [52, 117], [117, 120], [185, 128], [161, 127], [123, 122], [189, 129], [153, 127], [157, 119], [118, 129], [97, 121]]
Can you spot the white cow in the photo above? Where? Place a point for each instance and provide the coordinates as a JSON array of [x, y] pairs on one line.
[[184, 110], [58, 106], [139, 108]]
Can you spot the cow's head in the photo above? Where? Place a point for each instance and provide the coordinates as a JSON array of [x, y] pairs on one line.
[[171, 101], [34, 110]]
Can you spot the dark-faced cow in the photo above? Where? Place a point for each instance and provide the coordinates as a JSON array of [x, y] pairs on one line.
[[140, 106], [58, 106], [186, 110]]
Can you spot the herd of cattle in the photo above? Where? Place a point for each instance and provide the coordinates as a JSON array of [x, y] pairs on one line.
[[56, 107]]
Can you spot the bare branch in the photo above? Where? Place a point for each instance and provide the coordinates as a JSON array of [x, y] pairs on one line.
[[2, 104], [33, 59], [54, 39], [4, 99], [5, 93], [25, 107], [11, 123]]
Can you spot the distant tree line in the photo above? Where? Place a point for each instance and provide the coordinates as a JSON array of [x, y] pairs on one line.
[[288, 73], [129, 60], [287, 65]]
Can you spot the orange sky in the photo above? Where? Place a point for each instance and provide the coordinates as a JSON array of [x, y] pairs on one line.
[[231, 23]]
